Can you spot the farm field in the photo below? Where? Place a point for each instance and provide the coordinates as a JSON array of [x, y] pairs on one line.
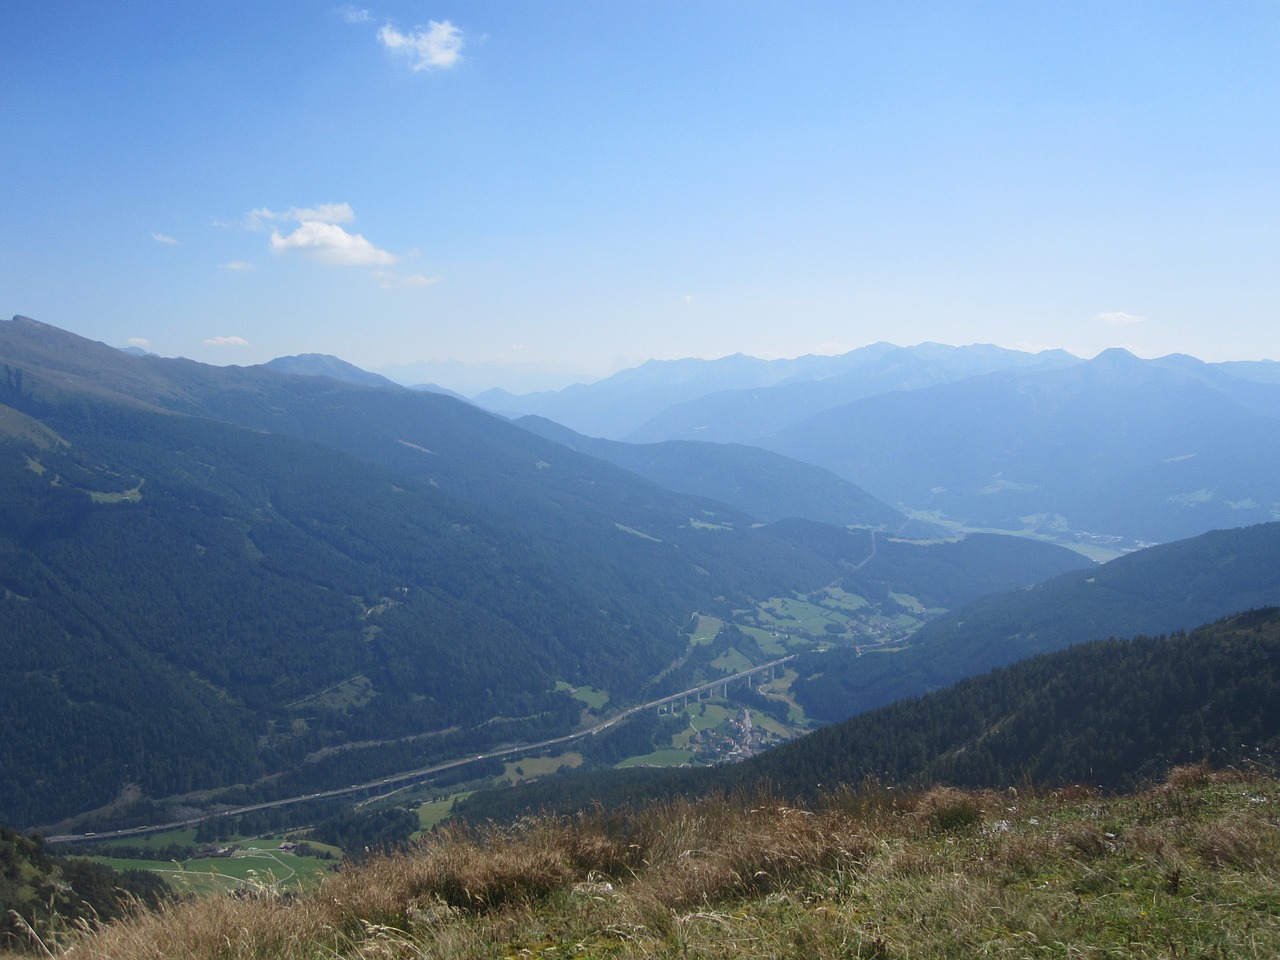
[[258, 864], [668, 757], [708, 628], [709, 714], [593, 699], [528, 768], [434, 812], [832, 616], [732, 661]]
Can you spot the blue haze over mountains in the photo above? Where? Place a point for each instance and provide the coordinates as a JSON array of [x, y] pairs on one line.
[[1114, 446], [742, 399]]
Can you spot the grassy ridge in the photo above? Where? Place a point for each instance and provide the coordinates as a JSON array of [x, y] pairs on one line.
[[1187, 868]]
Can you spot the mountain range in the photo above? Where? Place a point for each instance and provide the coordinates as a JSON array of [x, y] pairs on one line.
[[1113, 451], [741, 398], [220, 578], [226, 584]]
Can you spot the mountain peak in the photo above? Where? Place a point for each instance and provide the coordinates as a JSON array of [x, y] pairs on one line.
[[1116, 355], [325, 365]]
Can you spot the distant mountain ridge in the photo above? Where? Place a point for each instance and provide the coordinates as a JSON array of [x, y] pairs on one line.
[[750, 415], [634, 404], [614, 406], [1113, 448], [1149, 450]]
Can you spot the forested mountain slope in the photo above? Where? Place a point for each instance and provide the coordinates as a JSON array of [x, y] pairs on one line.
[[596, 513], [178, 603], [761, 483], [215, 576], [1112, 713], [1169, 587]]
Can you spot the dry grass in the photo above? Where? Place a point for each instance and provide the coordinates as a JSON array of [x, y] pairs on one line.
[[1190, 868]]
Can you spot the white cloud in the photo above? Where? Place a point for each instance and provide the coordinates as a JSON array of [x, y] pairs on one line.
[[163, 238], [1118, 318], [227, 342], [438, 46], [318, 235], [239, 265], [329, 243], [139, 342]]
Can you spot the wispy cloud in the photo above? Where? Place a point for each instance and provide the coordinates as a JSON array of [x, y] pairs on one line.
[[391, 281], [418, 280], [439, 46], [227, 342], [1119, 318], [329, 243], [139, 342], [163, 238], [354, 14], [323, 213], [239, 265]]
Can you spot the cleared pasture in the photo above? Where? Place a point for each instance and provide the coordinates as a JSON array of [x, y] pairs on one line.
[[666, 757]]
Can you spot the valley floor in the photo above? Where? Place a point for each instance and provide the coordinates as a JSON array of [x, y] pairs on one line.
[[1188, 868]]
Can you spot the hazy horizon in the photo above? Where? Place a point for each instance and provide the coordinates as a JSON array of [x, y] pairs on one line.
[[471, 379]]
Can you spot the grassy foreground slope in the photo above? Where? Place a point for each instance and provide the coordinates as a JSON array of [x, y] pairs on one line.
[[1185, 869], [39, 891]]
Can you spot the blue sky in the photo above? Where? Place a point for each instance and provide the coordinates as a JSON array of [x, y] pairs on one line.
[[568, 188]]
